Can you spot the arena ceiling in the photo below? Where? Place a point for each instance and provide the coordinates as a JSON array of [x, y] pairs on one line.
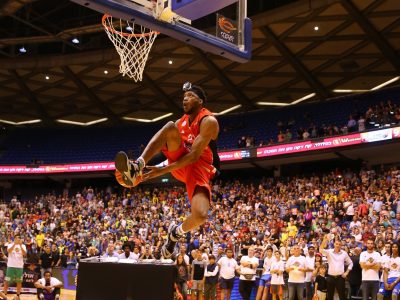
[[356, 47]]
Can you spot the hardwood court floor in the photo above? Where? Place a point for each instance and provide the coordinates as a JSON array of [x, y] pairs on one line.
[[65, 295]]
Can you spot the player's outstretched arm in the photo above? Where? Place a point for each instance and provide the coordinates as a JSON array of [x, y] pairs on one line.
[[208, 131]]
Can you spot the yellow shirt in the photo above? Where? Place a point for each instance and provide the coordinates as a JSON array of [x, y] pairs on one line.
[[284, 236], [40, 240], [292, 230]]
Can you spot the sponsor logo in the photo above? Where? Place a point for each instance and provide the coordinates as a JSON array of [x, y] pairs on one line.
[[226, 25], [227, 29]]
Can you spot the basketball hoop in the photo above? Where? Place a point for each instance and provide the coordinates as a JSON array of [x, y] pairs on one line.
[[133, 47]]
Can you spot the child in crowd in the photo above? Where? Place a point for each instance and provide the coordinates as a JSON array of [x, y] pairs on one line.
[[321, 283], [277, 268]]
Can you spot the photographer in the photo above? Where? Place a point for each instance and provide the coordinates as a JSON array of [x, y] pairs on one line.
[[48, 287], [15, 265]]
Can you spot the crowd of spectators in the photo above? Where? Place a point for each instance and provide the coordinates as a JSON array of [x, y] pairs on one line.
[[380, 115], [274, 213]]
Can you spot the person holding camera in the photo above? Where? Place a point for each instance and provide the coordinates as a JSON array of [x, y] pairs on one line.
[[15, 265], [48, 287]]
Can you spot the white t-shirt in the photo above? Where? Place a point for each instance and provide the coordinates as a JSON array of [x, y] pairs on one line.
[[16, 258], [349, 208], [134, 255], [376, 206], [186, 258], [296, 262], [131, 256], [245, 270], [227, 267], [394, 267], [275, 278], [267, 264], [53, 281], [310, 263], [366, 257], [384, 260]]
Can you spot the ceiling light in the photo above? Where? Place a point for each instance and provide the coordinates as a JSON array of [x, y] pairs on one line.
[[148, 120], [228, 110], [385, 83], [316, 28], [273, 103], [82, 123], [20, 123], [105, 72], [22, 49], [75, 41], [302, 99], [349, 91], [129, 28], [286, 104], [47, 77], [170, 62]]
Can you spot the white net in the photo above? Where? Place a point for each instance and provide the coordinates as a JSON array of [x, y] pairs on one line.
[[133, 43]]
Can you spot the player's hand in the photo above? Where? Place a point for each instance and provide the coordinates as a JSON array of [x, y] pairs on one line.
[[153, 172]]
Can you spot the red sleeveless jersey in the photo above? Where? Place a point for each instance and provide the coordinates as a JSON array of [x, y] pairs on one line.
[[190, 131]]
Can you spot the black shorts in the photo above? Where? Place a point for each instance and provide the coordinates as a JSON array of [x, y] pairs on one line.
[[226, 284]]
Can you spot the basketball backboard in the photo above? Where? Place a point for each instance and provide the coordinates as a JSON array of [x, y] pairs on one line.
[[220, 27]]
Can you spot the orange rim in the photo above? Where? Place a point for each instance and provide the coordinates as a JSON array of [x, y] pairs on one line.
[[104, 21]]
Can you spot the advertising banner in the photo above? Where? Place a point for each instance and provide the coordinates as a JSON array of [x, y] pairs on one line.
[[281, 149], [31, 275]]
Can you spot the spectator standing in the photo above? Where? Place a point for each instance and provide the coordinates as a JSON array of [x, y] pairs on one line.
[[370, 264], [288, 136], [15, 265], [227, 266], [198, 270], [72, 260], [391, 276], [46, 260], [296, 268], [265, 280], [337, 259], [321, 284], [281, 137], [361, 123], [248, 268], [183, 275], [210, 285], [246, 244], [310, 266], [56, 255], [355, 273], [277, 282], [351, 124]]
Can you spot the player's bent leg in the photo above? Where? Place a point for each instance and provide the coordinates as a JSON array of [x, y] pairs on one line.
[[168, 136], [130, 171]]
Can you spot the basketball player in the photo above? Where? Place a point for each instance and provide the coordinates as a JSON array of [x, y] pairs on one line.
[[189, 144]]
